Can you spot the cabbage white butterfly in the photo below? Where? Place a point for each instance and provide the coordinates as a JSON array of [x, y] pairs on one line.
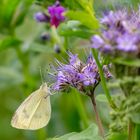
[[35, 111]]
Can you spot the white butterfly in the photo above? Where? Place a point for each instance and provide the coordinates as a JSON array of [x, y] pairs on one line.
[[35, 111]]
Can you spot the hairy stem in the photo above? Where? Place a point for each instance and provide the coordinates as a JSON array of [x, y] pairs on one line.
[[98, 120], [103, 81]]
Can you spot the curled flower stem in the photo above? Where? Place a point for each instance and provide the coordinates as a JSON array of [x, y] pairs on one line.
[[103, 81], [98, 120]]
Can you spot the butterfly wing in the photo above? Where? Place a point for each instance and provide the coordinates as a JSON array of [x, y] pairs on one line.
[[34, 112]]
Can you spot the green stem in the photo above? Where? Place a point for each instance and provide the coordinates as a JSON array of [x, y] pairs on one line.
[[137, 131], [81, 109], [131, 131], [103, 81], [66, 43]]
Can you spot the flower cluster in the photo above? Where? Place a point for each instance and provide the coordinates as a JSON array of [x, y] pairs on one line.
[[55, 15], [121, 33], [78, 74]]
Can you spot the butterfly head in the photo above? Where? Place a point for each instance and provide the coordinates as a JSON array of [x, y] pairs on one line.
[[44, 87]]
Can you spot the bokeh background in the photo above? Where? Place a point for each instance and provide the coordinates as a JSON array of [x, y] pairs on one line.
[[23, 53]]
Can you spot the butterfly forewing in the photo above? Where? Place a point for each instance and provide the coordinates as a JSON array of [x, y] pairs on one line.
[[34, 112]]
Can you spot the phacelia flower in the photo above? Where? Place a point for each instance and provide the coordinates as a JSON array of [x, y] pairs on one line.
[[120, 33], [78, 74], [54, 17]]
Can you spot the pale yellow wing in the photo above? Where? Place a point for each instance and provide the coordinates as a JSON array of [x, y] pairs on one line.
[[34, 112]]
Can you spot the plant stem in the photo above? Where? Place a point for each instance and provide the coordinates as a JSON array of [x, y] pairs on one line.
[[98, 120], [66, 44], [131, 127], [103, 81], [129, 131]]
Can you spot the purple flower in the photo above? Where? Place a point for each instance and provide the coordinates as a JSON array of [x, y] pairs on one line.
[[41, 17], [56, 14], [74, 60], [89, 74], [78, 74], [97, 42], [127, 43], [62, 81], [114, 19], [121, 33]]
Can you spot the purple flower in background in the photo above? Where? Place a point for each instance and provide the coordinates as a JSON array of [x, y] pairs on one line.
[[127, 43], [121, 33], [97, 42], [78, 74], [56, 14], [41, 17], [112, 18]]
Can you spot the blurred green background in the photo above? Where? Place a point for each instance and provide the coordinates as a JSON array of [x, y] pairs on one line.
[[22, 54]]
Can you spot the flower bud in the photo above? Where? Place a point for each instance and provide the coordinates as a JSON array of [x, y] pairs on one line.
[[41, 17]]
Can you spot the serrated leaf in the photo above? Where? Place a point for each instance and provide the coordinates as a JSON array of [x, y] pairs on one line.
[[91, 133], [101, 98]]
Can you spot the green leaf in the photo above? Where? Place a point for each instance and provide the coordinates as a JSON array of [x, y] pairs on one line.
[[8, 42], [118, 136], [135, 2], [135, 117], [20, 12], [91, 133], [101, 98], [127, 61], [13, 13], [125, 79], [8, 10], [73, 4], [87, 5], [85, 18], [74, 28], [138, 131]]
